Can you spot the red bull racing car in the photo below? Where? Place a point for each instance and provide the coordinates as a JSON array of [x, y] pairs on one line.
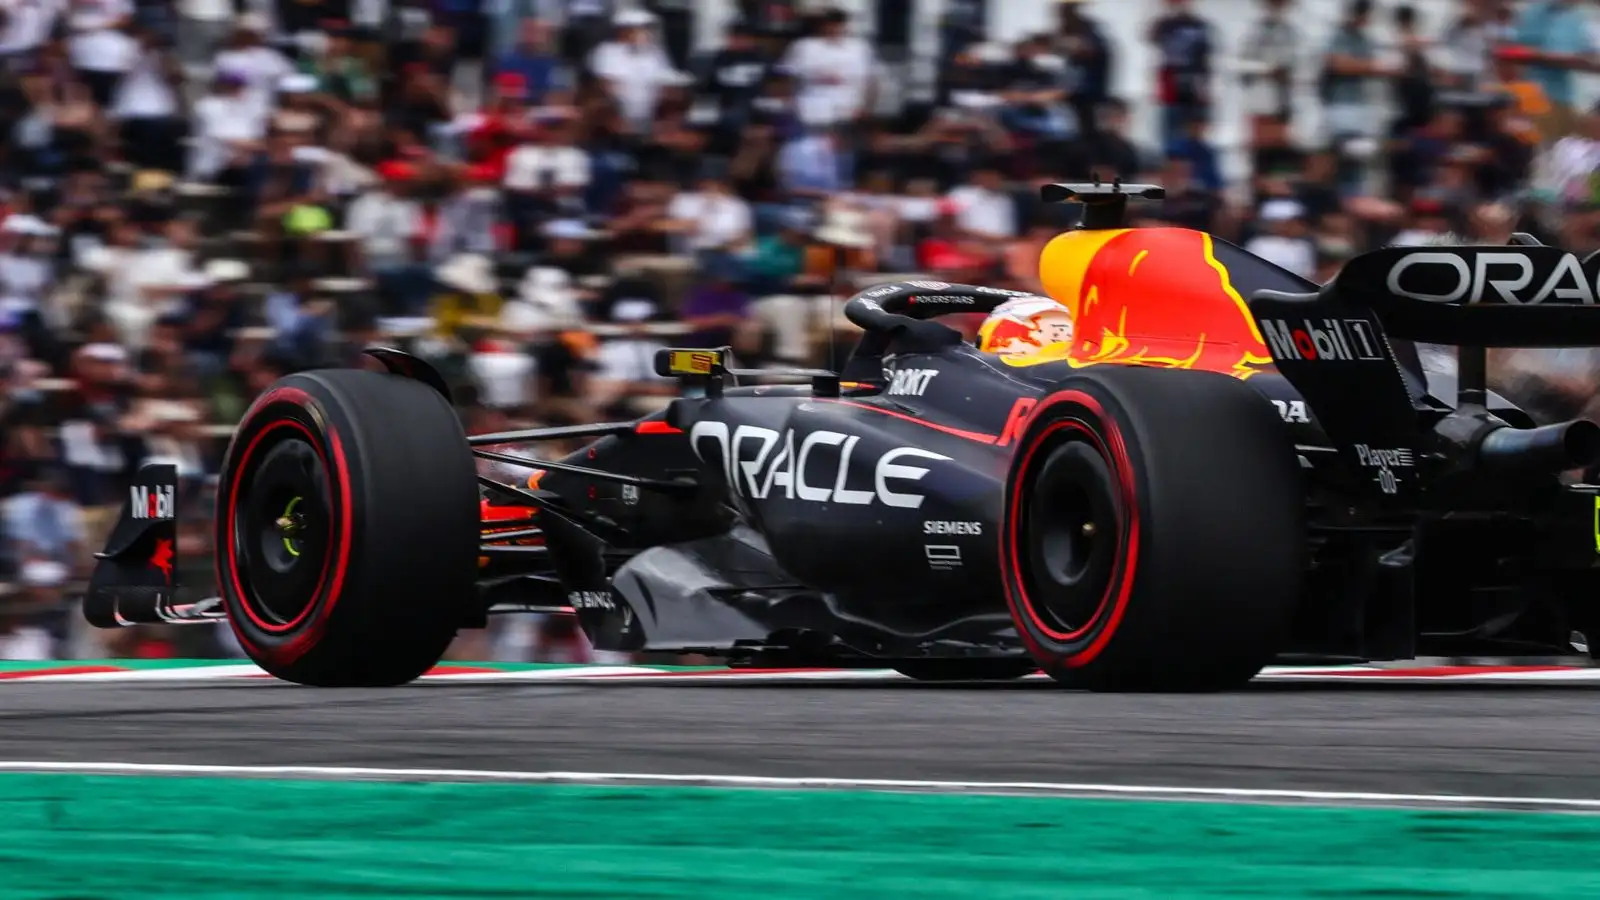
[[1227, 464]]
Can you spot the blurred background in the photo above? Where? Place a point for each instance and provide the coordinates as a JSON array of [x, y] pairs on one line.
[[199, 197]]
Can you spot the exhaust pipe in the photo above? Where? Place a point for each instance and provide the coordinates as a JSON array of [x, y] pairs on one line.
[[1549, 448]]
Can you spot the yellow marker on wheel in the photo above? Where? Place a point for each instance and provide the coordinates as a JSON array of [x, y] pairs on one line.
[[288, 525]]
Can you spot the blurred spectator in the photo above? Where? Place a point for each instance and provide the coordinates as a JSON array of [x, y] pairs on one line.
[[714, 222], [634, 68], [101, 47], [1079, 39], [1429, 224], [45, 546], [26, 274], [547, 174], [467, 291], [388, 224], [1413, 85], [835, 72], [812, 166], [247, 56], [983, 208], [469, 217], [342, 77], [714, 309], [1468, 45], [1558, 36], [1270, 56], [728, 81], [1036, 92], [778, 258], [842, 245], [1183, 82], [1189, 202], [1283, 239], [1431, 148], [1573, 162], [624, 380], [1112, 153], [43, 524], [1349, 70], [145, 104], [533, 60], [227, 131], [1526, 103], [1192, 146], [467, 22]]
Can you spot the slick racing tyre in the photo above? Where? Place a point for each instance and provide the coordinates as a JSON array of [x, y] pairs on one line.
[[1153, 534], [347, 528], [965, 669]]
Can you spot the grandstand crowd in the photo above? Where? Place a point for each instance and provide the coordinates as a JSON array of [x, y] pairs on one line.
[[199, 197]]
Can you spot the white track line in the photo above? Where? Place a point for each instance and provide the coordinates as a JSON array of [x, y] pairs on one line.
[[196, 673], [1583, 675], [758, 781]]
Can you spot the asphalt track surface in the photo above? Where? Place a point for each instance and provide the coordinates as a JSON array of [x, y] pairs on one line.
[[1512, 741]]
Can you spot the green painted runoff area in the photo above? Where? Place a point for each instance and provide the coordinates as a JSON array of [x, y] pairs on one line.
[[109, 837]]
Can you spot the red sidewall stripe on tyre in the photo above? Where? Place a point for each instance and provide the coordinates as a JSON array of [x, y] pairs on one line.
[[248, 608], [1113, 449], [334, 567], [1064, 637]]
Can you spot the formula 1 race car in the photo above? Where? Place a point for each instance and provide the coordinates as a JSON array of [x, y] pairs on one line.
[[1195, 485]]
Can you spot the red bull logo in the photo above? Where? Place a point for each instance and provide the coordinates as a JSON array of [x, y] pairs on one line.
[[1152, 297], [1026, 327], [161, 558], [1006, 334]]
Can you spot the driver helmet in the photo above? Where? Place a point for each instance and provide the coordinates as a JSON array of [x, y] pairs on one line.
[[1026, 326]]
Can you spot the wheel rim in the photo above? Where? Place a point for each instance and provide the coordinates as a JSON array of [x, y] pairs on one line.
[[282, 529], [1073, 533]]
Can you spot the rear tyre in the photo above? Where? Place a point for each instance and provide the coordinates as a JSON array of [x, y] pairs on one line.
[[965, 669], [1153, 534], [347, 529]]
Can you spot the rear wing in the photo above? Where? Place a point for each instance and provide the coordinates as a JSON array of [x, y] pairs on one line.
[[1334, 345], [1481, 296]]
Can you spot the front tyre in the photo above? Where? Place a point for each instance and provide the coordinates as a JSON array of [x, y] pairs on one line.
[[347, 529], [1153, 532]]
